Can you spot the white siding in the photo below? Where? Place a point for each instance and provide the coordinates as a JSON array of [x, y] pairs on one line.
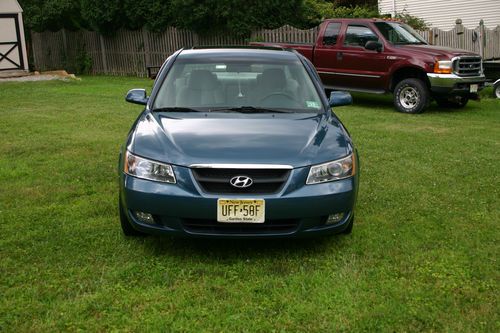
[[443, 13]]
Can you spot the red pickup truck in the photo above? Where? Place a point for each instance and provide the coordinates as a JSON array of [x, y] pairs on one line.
[[383, 56]]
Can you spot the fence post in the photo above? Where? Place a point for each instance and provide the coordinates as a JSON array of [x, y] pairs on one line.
[[33, 51], [482, 40], [145, 39], [103, 55], [460, 33], [65, 42]]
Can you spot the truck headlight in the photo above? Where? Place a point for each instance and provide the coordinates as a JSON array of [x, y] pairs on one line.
[[334, 170], [141, 167], [443, 67]]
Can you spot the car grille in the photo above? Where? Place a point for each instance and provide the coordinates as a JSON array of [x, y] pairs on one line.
[[203, 226], [467, 66], [216, 181]]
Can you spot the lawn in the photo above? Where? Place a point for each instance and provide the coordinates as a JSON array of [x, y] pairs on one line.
[[423, 255]]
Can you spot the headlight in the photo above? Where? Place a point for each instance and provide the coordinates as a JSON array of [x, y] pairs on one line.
[[443, 67], [146, 169], [330, 171]]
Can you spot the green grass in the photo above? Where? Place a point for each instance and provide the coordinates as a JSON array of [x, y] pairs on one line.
[[423, 255]]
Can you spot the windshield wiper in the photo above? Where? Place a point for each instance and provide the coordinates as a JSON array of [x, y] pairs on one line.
[[249, 109], [176, 109]]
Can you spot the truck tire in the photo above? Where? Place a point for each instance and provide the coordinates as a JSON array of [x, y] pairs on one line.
[[411, 96], [496, 90], [453, 102]]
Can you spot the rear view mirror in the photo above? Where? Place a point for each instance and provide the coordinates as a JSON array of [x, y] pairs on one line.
[[340, 98], [373, 46], [137, 96]]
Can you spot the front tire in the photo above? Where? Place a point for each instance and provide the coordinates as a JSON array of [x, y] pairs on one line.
[[348, 230], [127, 228], [496, 90], [411, 96]]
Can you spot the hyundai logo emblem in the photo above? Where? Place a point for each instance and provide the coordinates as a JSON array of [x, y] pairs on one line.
[[241, 181]]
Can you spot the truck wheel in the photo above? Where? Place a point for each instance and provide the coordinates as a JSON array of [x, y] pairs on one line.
[[127, 229], [456, 102], [411, 96], [496, 90]]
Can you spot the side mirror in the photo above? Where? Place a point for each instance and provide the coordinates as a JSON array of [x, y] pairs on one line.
[[340, 98], [373, 46], [137, 96]]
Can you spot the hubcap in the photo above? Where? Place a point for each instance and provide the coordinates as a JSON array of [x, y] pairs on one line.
[[497, 91], [409, 97]]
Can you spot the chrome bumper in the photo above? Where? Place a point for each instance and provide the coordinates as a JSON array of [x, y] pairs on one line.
[[451, 80]]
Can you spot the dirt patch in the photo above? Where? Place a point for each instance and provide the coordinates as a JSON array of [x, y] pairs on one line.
[[21, 76]]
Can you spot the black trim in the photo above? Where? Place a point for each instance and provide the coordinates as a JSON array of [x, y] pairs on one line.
[[18, 44]]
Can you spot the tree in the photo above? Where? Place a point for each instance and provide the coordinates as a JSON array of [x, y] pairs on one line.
[[53, 15]]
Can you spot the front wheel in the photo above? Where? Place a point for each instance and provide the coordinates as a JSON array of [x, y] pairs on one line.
[[411, 96], [496, 90], [348, 230], [127, 228]]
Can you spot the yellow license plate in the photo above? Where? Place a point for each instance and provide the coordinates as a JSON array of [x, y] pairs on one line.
[[474, 88], [241, 210]]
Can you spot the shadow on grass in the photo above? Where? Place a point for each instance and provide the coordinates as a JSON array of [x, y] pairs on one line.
[[385, 101], [229, 249]]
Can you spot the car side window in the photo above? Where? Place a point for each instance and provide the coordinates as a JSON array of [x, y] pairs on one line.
[[331, 33], [358, 35]]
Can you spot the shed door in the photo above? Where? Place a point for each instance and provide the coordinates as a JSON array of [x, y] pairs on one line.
[[11, 56]]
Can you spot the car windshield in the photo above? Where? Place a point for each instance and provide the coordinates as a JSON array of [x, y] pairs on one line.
[[237, 85], [399, 34]]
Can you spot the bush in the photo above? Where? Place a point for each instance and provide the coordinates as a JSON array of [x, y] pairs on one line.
[[413, 21]]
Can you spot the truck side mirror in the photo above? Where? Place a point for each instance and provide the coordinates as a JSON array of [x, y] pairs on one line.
[[373, 46], [340, 98], [137, 96]]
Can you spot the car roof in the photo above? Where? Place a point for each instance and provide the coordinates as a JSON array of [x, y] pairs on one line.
[[237, 52]]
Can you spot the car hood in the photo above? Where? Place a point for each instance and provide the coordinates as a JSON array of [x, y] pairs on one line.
[[232, 138], [437, 51]]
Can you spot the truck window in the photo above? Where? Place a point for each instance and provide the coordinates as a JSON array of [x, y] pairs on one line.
[[358, 35], [331, 33], [399, 34]]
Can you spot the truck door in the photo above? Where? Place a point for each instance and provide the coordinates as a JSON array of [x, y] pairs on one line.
[[360, 68], [325, 53]]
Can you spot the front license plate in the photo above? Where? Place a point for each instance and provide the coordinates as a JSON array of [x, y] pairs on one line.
[[473, 88], [241, 210]]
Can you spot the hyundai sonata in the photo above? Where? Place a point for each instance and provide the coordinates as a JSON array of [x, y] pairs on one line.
[[237, 142]]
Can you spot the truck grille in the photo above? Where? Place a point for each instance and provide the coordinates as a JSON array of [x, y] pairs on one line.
[[269, 226], [217, 181], [467, 66]]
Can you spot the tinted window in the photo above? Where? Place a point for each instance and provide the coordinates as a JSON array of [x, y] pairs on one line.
[[358, 35], [331, 33]]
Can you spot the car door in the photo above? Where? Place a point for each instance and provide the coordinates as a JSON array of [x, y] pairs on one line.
[[326, 52], [361, 69]]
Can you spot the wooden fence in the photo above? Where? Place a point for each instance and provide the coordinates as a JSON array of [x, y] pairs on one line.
[[129, 52]]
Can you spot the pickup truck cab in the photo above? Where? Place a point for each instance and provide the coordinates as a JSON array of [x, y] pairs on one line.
[[383, 56]]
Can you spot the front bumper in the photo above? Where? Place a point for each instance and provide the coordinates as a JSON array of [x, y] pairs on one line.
[[454, 84], [303, 208]]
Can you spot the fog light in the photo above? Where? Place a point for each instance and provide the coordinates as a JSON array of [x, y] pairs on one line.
[[145, 217], [335, 218]]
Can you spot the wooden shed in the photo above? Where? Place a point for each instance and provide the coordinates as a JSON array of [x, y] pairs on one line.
[[13, 54]]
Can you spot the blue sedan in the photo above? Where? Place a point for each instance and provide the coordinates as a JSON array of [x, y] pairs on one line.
[[237, 142]]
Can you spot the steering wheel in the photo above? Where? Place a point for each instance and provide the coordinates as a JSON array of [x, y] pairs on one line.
[[282, 94]]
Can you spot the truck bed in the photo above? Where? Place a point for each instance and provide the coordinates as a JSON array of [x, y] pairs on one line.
[[306, 49]]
